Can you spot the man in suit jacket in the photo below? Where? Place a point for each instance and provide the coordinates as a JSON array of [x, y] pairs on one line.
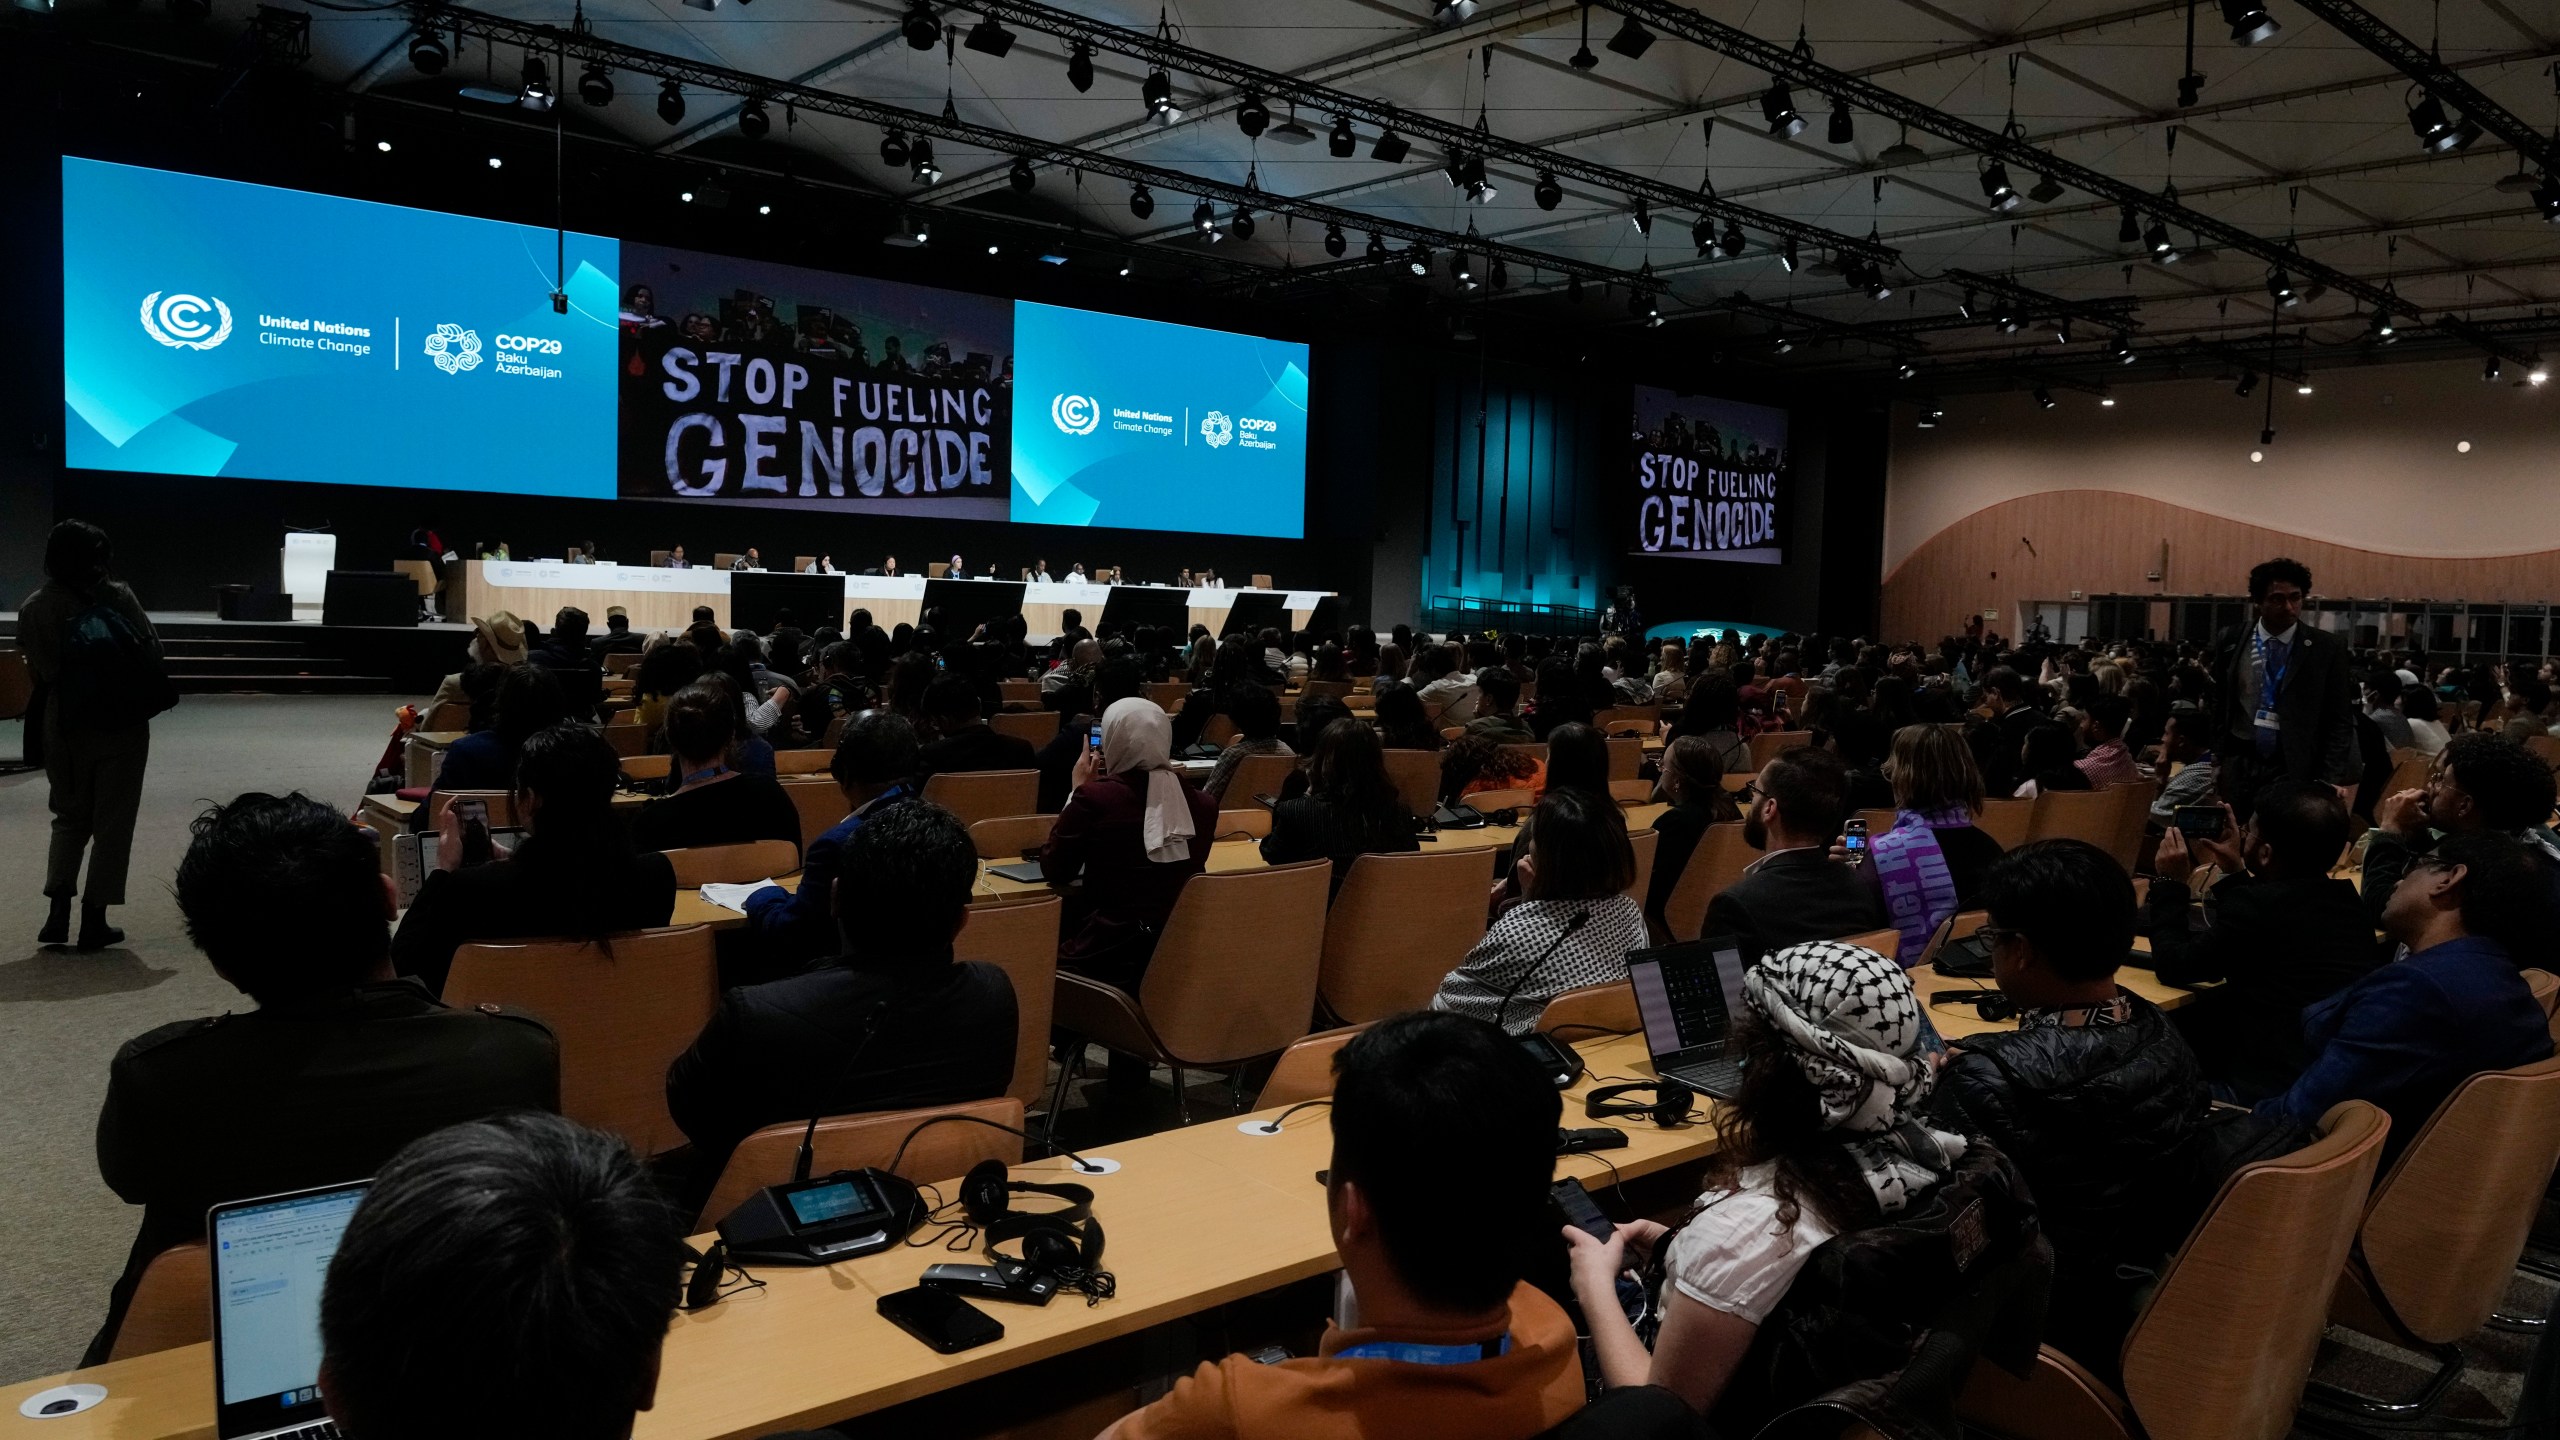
[[967, 743], [340, 1064], [1796, 892], [2287, 705], [893, 1023]]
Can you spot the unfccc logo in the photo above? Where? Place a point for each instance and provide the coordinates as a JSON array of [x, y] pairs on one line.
[[1076, 414], [1217, 429], [454, 349], [186, 322]]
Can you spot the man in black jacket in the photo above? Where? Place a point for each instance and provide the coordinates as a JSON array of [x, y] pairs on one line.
[[967, 742], [892, 1024], [2282, 932], [2094, 1095], [1796, 892], [2480, 782], [1997, 744], [340, 1064], [2286, 706]]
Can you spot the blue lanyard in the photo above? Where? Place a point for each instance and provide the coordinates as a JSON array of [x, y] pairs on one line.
[[1411, 1354], [2269, 677], [710, 773]]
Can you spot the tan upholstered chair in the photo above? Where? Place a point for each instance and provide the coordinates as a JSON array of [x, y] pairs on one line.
[[1644, 842], [1768, 744], [172, 1304], [623, 1009], [1233, 979], [1218, 730], [620, 664], [2546, 746], [1416, 774], [722, 560], [937, 570], [2409, 770], [985, 794], [1338, 689], [735, 864], [802, 562], [851, 1142], [1010, 837], [1626, 757], [1248, 822], [1304, 1071], [449, 716], [2007, 821], [645, 768], [1631, 792], [625, 719], [1258, 775], [2075, 815], [813, 761], [1398, 926], [1718, 861], [821, 804], [658, 558], [2133, 816], [1618, 724], [1648, 715], [2545, 988], [1033, 727], [1022, 694], [1021, 939], [1886, 943], [2223, 1349], [1169, 694], [1485, 802], [2444, 1229], [1261, 582], [1592, 1010], [630, 742]]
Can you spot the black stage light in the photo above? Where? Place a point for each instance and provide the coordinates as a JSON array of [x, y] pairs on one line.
[[1418, 258], [1641, 218], [1548, 193], [2546, 197], [1080, 67], [427, 53], [2250, 23], [2047, 190], [596, 86], [1501, 275], [1334, 243], [1734, 240], [989, 37], [1023, 177], [1703, 233], [1342, 142], [2155, 238], [1390, 148], [1996, 190], [1778, 107], [1632, 39], [893, 149], [2044, 398], [2280, 288], [925, 171], [1843, 129], [1787, 256], [671, 102], [2129, 228], [1204, 218], [536, 93], [1157, 93], [1253, 117], [752, 121], [1142, 201], [922, 29], [1377, 249], [1242, 226], [2248, 385]]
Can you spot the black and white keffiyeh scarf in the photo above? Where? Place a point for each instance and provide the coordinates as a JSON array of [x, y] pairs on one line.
[[1852, 1023]]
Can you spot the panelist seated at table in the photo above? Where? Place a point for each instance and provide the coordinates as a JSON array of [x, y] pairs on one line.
[[1038, 574], [1443, 1147], [822, 565], [889, 566], [574, 875], [338, 1065], [676, 560], [1827, 1147], [893, 1023], [574, 1273]]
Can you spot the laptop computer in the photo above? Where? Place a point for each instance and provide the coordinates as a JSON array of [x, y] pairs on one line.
[[1687, 996], [269, 1258]]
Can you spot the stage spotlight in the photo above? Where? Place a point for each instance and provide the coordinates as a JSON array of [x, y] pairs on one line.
[[893, 149], [1548, 193], [1903, 152], [2538, 374], [1734, 239], [1342, 142], [752, 121], [1124, 270], [1242, 226], [1157, 93], [1022, 176], [1996, 189], [1964, 307], [1878, 288], [924, 170], [1451, 12], [922, 29], [2248, 385], [994, 248], [2007, 322], [596, 86], [2129, 228], [2121, 351], [989, 37], [1377, 247], [2385, 329], [1703, 233], [2044, 398], [908, 233], [1906, 371], [2546, 197], [1778, 107], [2435, 130], [1253, 117], [382, 145], [764, 209], [1931, 414], [1641, 218], [1204, 218], [1417, 258], [2490, 370], [2304, 388], [2047, 190], [2062, 330], [1843, 129], [1652, 313], [497, 164], [671, 102], [1142, 201], [2280, 289], [1080, 67], [1334, 242], [427, 53], [1787, 256], [2155, 238], [2250, 23], [1500, 275], [1462, 269], [2190, 90], [2109, 401], [1390, 148], [1632, 39], [536, 93]]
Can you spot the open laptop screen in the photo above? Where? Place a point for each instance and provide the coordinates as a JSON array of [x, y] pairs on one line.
[[1681, 1006], [269, 1259]]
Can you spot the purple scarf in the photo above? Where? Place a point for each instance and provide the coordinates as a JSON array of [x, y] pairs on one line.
[[1918, 890]]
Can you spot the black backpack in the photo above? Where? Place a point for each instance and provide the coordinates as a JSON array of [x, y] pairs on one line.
[[111, 677]]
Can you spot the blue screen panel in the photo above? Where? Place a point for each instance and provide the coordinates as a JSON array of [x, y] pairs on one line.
[[217, 328], [1147, 426]]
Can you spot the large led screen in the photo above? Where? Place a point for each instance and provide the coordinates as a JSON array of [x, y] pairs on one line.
[[1144, 425], [215, 328], [1710, 479], [221, 329]]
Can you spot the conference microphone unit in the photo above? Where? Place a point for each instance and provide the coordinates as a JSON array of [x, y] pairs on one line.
[[1561, 1062], [833, 1217]]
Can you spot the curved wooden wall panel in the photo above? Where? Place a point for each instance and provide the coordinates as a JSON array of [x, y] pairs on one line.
[[2044, 546]]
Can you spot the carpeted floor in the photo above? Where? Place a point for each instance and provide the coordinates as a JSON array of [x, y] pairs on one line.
[[63, 1014]]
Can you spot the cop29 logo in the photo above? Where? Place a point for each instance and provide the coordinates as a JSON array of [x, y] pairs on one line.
[[186, 322], [454, 349], [1217, 429], [1076, 414]]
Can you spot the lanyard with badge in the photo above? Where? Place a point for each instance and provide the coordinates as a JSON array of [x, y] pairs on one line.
[[1412, 1354], [2270, 680]]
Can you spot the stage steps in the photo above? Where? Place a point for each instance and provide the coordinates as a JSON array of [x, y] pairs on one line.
[[211, 658]]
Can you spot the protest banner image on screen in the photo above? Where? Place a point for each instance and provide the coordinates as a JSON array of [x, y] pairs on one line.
[[1711, 478], [745, 382]]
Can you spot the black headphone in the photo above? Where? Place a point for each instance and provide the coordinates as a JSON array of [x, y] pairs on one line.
[[1671, 1104], [1053, 1240]]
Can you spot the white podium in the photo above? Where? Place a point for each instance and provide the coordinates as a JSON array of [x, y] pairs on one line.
[[305, 564]]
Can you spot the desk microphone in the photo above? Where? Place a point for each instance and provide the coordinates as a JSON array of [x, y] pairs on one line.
[[1561, 1062], [1502, 1011], [818, 1104]]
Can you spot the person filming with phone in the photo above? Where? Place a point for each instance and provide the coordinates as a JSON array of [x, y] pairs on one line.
[[2279, 929]]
